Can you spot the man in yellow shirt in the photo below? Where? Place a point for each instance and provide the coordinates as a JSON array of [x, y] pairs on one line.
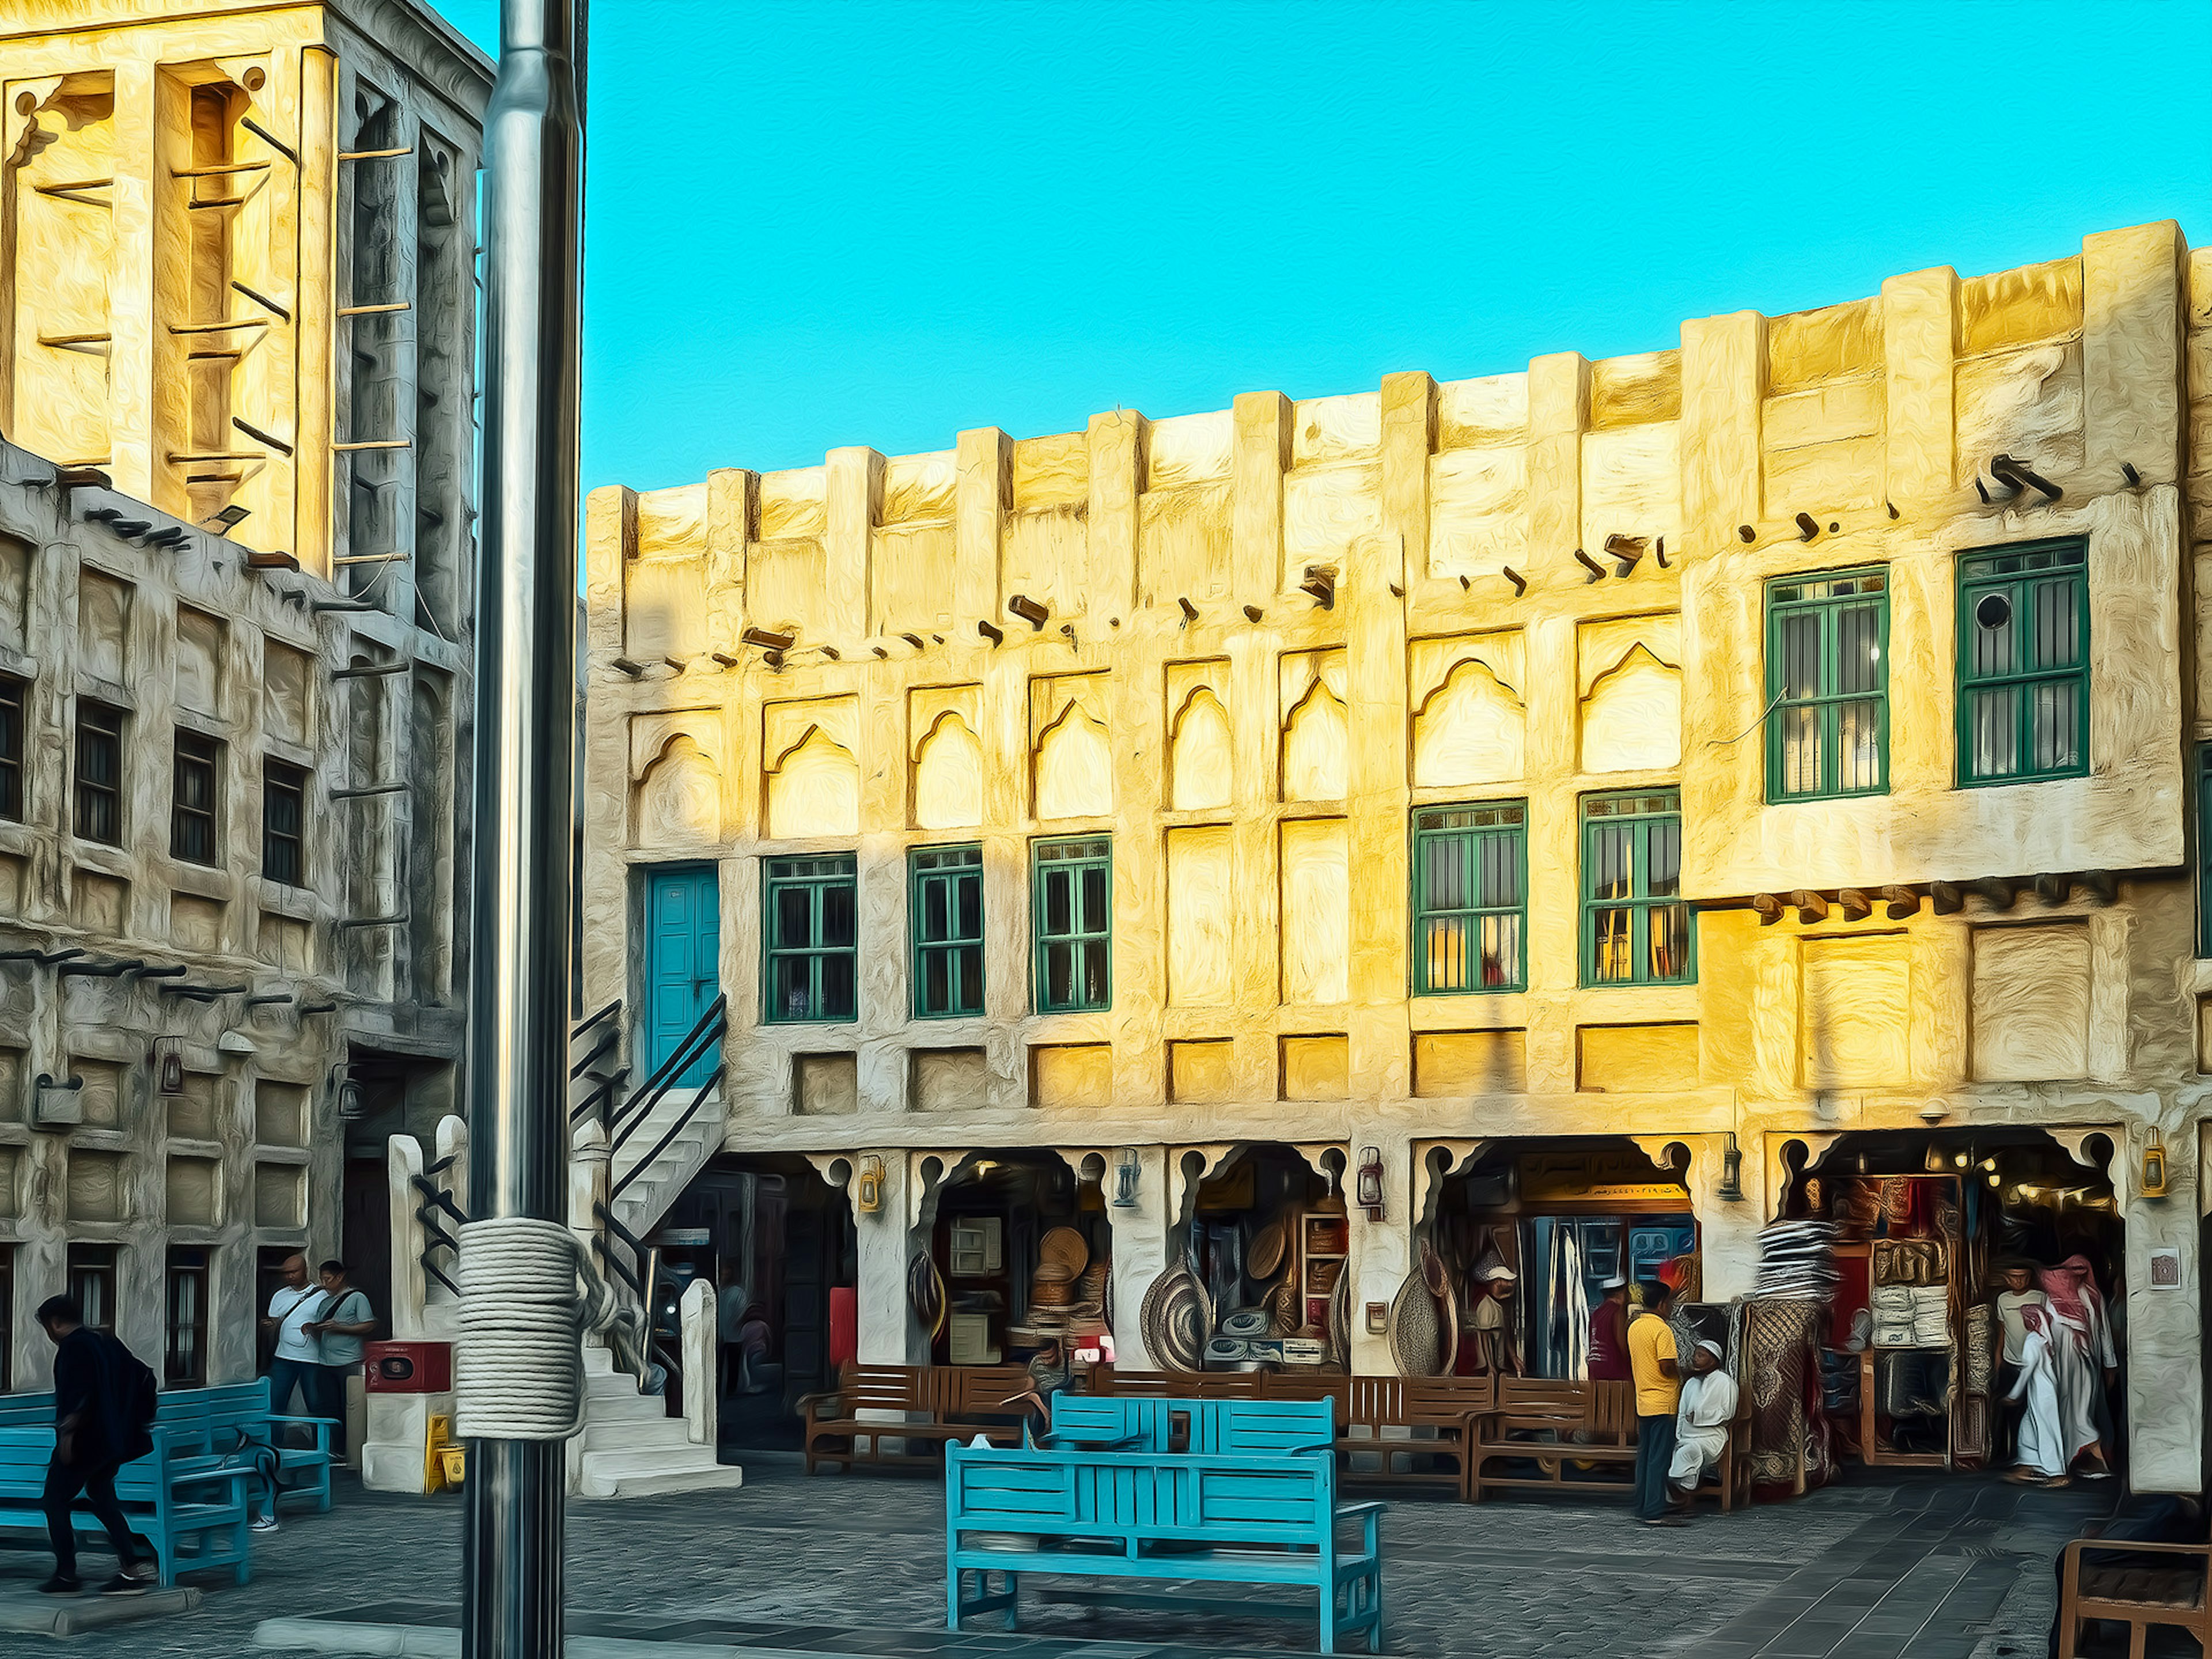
[[1652, 1362]]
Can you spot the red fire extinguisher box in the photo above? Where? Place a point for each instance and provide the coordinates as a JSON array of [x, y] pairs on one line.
[[409, 1367]]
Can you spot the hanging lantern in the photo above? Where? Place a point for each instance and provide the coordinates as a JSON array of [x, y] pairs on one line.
[[868, 1197], [2154, 1167], [1126, 1173], [1370, 1181], [169, 1065], [1731, 1187]]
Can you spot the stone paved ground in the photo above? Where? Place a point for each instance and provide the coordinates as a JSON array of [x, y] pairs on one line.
[[1933, 1568]]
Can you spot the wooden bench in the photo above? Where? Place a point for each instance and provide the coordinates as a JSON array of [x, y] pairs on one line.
[[1268, 1516], [1177, 1385], [2136, 1594], [1430, 1424], [1555, 1425], [191, 1516], [922, 1407], [229, 1424]]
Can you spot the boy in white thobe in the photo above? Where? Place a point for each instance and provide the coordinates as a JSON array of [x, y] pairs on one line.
[[1701, 1428], [2042, 1451]]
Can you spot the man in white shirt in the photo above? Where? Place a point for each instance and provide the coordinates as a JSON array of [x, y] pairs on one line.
[[1701, 1428], [297, 1363]]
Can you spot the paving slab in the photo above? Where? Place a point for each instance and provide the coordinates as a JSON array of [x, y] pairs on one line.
[[24, 1612]]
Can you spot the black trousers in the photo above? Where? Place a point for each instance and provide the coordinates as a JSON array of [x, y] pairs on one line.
[[1655, 1455], [97, 1482]]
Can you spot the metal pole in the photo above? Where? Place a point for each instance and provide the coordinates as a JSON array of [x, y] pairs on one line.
[[526, 737]]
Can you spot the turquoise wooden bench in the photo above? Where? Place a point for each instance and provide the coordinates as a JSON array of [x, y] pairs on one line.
[[191, 1516], [1267, 1515], [227, 1424]]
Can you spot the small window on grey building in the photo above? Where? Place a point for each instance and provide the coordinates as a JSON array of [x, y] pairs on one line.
[[11, 748], [92, 1282], [192, 808], [185, 1363], [99, 773], [284, 814]]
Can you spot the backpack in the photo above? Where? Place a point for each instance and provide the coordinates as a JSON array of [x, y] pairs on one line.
[[139, 1393]]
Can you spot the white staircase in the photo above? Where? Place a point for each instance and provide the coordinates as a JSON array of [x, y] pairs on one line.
[[641, 1204], [631, 1448]]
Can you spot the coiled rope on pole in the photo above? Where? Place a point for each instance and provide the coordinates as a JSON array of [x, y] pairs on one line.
[[528, 1294]]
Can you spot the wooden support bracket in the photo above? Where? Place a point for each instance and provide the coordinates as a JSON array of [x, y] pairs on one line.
[[1812, 907], [1769, 908], [1902, 901], [1856, 904]]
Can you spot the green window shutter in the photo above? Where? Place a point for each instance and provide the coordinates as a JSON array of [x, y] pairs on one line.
[[1470, 898], [1636, 928], [1827, 685], [1072, 922], [945, 925], [2023, 626], [812, 934]]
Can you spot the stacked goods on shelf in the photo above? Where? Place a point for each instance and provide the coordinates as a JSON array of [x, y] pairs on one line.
[[1797, 1260]]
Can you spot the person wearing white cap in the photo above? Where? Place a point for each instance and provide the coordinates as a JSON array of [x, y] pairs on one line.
[[1701, 1428], [1491, 1321]]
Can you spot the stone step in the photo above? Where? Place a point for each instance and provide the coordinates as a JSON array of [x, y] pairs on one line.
[[642, 1474], [627, 1434]]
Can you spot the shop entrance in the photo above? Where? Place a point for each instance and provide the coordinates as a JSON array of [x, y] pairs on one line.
[[776, 1243], [1017, 1257], [1534, 1237], [1923, 1228], [1262, 1285]]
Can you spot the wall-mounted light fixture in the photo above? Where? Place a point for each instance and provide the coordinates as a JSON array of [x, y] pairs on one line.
[[1370, 1181], [1127, 1172], [168, 1062], [1731, 1187], [868, 1195], [2154, 1166]]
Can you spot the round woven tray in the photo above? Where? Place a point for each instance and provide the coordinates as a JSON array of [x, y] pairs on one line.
[[1266, 1254], [1063, 1248]]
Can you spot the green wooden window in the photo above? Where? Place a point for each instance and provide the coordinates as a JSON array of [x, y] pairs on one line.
[[947, 924], [1635, 929], [812, 938], [2024, 664], [1073, 919], [1470, 898], [1827, 685]]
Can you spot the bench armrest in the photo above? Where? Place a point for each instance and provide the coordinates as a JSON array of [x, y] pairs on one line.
[[1358, 1511], [1083, 1443], [2080, 1546], [811, 1405]]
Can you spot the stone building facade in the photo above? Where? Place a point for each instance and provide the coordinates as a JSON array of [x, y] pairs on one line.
[[1337, 707], [237, 380]]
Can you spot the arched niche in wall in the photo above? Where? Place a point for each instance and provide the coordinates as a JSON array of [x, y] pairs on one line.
[[1315, 744], [1200, 755], [1074, 768], [1470, 730], [948, 776], [814, 789], [679, 800]]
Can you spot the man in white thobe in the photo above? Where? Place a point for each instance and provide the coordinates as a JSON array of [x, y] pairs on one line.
[[2042, 1452], [1702, 1420]]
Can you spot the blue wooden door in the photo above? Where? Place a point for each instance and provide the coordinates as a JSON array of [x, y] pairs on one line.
[[683, 933]]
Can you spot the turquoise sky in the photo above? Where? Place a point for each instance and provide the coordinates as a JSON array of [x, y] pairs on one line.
[[826, 224]]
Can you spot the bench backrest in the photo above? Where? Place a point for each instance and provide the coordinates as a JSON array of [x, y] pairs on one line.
[[979, 1393], [882, 1388], [1306, 1384], [1440, 1401], [1612, 1411], [1288, 1500], [1537, 1396], [25, 1449], [1261, 1427], [1177, 1385], [1147, 1424]]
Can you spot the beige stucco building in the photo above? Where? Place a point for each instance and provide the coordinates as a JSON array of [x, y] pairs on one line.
[[1886, 613], [236, 375]]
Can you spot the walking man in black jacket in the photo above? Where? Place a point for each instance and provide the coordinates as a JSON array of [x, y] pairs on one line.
[[103, 1400]]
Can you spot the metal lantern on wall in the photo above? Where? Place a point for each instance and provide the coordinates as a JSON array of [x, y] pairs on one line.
[[1127, 1171], [1369, 1185], [2154, 1166], [1731, 1187], [868, 1197], [169, 1065]]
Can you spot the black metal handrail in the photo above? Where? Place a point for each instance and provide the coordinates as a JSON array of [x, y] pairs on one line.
[[647, 1095], [586, 1024], [608, 1038], [606, 1086], [436, 1199], [683, 1119], [641, 1274]]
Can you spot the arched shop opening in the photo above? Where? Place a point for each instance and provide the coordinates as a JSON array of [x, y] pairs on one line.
[[1014, 1251], [777, 1244], [1262, 1282], [1920, 1228], [1530, 1235]]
